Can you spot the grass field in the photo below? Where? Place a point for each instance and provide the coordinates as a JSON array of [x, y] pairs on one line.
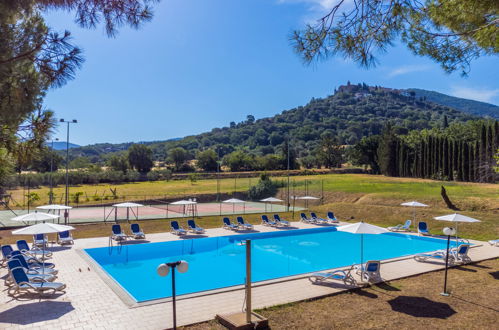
[[355, 185], [410, 303], [353, 197]]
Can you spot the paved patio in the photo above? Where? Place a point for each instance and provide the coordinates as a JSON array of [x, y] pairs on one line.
[[89, 303]]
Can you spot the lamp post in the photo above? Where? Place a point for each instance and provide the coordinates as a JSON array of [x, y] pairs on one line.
[[51, 193], [449, 231], [74, 121], [287, 208], [163, 270]]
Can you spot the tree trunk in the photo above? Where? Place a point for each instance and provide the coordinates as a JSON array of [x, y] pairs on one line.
[[447, 201]]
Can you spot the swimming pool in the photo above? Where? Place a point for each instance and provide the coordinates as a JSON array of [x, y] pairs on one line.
[[219, 262]]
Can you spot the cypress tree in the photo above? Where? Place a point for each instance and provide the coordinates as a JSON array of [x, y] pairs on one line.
[[445, 158], [465, 161]]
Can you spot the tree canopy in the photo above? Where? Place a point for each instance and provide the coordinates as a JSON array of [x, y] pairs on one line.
[[451, 32], [140, 158]]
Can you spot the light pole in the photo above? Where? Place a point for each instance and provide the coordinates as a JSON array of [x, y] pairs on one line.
[[449, 231], [51, 193], [163, 270], [287, 208], [74, 121]]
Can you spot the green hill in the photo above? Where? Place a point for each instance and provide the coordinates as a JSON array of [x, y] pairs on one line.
[[352, 112], [469, 106]]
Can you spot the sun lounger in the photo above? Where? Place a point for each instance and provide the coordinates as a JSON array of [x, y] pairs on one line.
[[176, 229], [494, 242], [228, 225], [303, 218], [194, 228], [435, 256], [35, 268], [65, 237], [280, 222], [338, 275], [370, 272], [136, 232], [316, 219], [6, 253], [402, 227], [33, 277], [460, 253], [267, 222], [331, 218], [423, 228], [22, 284], [118, 234], [243, 224], [23, 246], [40, 240]]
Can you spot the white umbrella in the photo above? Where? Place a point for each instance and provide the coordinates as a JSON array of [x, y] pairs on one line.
[[414, 204], [35, 216], [183, 202], [42, 228], [128, 205], [270, 200], [456, 217], [362, 228], [54, 207], [234, 201], [307, 198]]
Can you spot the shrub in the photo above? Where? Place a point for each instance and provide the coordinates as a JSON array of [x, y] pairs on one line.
[[264, 188]]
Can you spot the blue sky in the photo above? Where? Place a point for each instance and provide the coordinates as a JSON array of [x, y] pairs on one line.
[[202, 64]]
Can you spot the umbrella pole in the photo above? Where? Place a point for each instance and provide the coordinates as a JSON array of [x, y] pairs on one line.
[[362, 257]]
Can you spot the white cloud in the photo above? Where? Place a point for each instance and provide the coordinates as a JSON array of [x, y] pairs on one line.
[[405, 69], [478, 94]]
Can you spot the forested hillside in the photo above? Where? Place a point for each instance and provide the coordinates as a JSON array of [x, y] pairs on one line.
[[352, 112], [465, 105]]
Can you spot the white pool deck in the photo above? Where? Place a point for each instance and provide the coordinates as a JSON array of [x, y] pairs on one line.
[[89, 303]]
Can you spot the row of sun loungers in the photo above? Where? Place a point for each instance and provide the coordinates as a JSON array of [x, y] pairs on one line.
[[26, 272], [314, 219], [63, 238], [119, 235], [191, 227]]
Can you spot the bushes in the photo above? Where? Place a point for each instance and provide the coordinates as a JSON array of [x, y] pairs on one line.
[[264, 188]]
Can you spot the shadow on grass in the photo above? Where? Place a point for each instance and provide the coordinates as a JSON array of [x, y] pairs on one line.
[[465, 269], [474, 303], [364, 293], [386, 286], [421, 307], [35, 312], [495, 275], [479, 266]]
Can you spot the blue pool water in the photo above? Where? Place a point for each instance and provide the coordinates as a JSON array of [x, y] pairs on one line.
[[219, 262]]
